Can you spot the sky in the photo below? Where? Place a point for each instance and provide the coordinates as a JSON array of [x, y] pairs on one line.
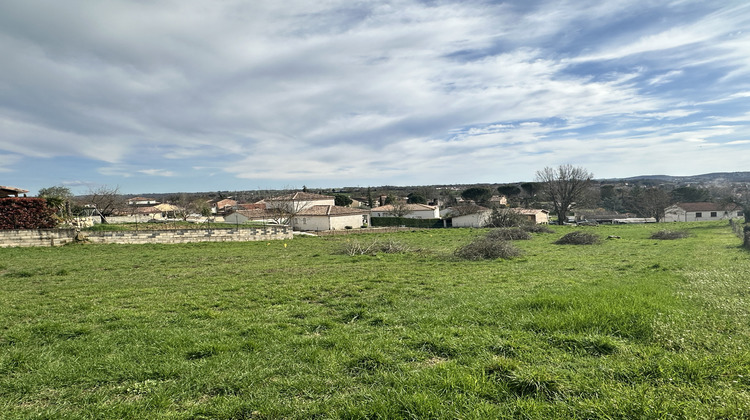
[[207, 95]]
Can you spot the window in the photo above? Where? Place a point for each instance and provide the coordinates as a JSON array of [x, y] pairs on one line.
[[739, 214], [713, 214], [698, 214]]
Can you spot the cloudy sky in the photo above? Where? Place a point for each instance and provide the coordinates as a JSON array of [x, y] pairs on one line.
[[205, 95]]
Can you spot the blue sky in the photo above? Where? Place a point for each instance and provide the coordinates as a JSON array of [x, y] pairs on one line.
[[200, 95]]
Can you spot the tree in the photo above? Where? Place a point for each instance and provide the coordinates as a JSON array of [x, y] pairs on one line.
[[416, 198], [370, 201], [651, 202], [342, 200], [399, 209], [689, 195], [58, 198], [529, 190], [479, 195], [511, 192], [106, 200], [563, 186], [503, 218], [741, 199]]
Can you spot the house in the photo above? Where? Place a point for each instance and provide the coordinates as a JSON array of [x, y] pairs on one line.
[[135, 215], [478, 218], [142, 201], [538, 216], [11, 191], [330, 217], [412, 211], [169, 210], [296, 202], [241, 216], [697, 212], [499, 201], [222, 205]]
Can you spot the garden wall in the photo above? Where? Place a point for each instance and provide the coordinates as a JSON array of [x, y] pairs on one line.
[[57, 237]]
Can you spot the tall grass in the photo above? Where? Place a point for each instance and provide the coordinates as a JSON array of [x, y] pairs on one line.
[[633, 328]]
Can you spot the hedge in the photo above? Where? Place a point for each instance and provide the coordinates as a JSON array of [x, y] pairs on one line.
[[26, 213], [403, 221]]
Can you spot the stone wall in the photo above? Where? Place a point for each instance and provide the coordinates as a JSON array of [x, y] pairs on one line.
[[57, 237], [36, 237]]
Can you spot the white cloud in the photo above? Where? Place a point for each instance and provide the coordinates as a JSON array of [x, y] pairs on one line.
[[341, 89]]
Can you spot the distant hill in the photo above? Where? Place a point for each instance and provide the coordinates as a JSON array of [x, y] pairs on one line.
[[712, 177]]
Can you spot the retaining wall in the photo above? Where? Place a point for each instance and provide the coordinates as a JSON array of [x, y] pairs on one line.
[[57, 237]]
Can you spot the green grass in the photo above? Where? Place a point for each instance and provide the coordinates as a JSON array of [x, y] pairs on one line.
[[628, 328]]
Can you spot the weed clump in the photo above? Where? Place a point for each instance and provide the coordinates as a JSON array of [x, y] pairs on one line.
[[487, 249], [390, 246], [535, 228], [669, 234], [509, 234], [578, 238]]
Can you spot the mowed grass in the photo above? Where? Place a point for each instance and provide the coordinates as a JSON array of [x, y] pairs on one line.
[[628, 328]]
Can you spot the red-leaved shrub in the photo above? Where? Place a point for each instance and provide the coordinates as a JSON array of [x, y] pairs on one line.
[[26, 213]]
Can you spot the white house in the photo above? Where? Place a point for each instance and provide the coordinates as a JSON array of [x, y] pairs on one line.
[[239, 217], [330, 217], [415, 211], [538, 216], [697, 212], [296, 202], [480, 218]]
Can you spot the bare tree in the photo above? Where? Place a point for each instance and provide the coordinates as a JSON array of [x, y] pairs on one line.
[[563, 186], [283, 210], [106, 200], [399, 209], [651, 203]]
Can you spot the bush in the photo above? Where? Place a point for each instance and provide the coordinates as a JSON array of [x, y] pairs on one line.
[[502, 218], [26, 213], [509, 234], [669, 234], [390, 246], [578, 238], [487, 249], [535, 228]]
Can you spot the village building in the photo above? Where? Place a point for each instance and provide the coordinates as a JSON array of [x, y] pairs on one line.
[[701, 212], [412, 211]]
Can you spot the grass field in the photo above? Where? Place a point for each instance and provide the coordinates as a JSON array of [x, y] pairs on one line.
[[629, 328]]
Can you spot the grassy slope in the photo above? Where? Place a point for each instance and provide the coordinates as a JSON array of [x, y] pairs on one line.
[[631, 328]]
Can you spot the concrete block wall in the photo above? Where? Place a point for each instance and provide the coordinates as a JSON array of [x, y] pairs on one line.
[[36, 237], [57, 237]]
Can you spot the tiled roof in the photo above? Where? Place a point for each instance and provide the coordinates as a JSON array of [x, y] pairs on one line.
[[530, 211], [11, 190], [706, 207], [301, 196], [328, 210], [410, 207], [253, 213]]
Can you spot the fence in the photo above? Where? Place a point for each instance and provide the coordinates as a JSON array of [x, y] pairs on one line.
[[742, 231]]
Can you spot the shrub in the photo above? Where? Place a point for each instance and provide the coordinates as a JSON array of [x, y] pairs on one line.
[[487, 249], [501, 218], [509, 234], [669, 234], [390, 246], [535, 228], [578, 238], [26, 213]]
